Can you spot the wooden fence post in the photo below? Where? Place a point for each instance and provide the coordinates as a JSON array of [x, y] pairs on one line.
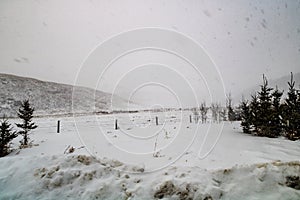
[[116, 125], [58, 126]]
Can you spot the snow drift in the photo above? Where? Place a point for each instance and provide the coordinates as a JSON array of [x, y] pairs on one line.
[[85, 177]]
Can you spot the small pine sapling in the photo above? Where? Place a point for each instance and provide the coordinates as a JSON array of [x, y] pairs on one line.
[[26, 114], [6, 136]]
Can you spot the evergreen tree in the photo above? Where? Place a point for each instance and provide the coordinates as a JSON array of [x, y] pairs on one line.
[[231, 113], [237, 113], [292, 112], [203, 112], [298, 113], [254, 113], [266, 116], [25, 113], [222, 114], [246, 117], [276, 122], [6, 136], [265, 109]]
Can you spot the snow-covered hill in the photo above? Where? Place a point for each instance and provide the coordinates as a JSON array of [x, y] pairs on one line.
[[52, 98]]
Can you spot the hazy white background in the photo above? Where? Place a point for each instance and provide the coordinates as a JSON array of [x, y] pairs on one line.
[[49, 40]]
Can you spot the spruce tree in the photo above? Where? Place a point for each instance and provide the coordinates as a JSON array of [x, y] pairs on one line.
[[246, 117], [254, 113], [222, 114], [6, 136], [203, 112], [298, 113], [276, 121], [265, 109], [231, 113], [291, 112], [26, 114]]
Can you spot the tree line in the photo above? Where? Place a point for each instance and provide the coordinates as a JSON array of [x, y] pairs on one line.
[[7, 134], [218, 112], [267, 114]]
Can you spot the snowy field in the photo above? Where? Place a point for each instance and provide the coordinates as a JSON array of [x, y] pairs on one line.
[[175, 159]]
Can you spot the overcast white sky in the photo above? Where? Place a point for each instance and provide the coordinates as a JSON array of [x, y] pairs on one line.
[[49, 40]]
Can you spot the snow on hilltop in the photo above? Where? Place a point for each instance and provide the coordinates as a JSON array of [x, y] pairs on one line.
[[50, 98]]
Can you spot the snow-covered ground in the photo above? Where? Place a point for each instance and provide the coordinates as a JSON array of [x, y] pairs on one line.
[[175, 159]]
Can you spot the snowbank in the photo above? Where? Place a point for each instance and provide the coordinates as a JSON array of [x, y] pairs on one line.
[[85, 177]]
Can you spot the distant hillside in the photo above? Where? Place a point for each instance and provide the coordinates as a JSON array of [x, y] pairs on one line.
[[280, 82], [51, 98]]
